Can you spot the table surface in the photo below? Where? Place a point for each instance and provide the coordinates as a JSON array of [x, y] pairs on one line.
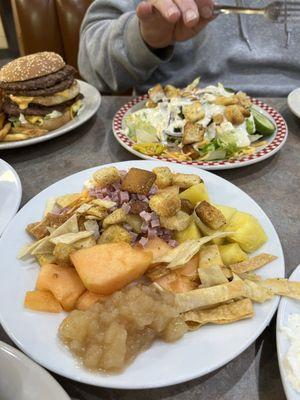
[[273, 184]]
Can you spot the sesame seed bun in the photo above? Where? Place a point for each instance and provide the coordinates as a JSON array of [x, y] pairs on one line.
[[31, 66]]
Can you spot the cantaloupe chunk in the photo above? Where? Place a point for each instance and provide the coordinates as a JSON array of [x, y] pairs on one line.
[[195, 194], [248, 232], [63, 282], [106, 268], [231, 253], [190, 233], [158, 247], [87, 299], [42, 300], [176, 283]]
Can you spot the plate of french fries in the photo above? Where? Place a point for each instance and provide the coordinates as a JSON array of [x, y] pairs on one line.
[[137, 269]]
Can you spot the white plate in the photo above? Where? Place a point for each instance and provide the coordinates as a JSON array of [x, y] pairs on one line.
[[197, 354], [91, 102], [294, 102], [274, 142], [10, 193], [22, 379], [286, 307]]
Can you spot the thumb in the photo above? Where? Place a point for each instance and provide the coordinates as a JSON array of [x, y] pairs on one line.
[[144, 10]]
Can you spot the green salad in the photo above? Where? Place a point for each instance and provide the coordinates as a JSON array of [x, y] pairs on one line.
[[193, 123]]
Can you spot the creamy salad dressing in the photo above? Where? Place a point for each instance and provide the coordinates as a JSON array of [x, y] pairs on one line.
[[292, 357]]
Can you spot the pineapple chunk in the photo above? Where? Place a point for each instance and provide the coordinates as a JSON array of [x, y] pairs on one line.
[[190, 233], [195, 194], [232, 253], [227, 211], [248, 232]]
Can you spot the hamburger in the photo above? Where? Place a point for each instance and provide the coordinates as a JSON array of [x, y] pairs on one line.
[[40, 91]]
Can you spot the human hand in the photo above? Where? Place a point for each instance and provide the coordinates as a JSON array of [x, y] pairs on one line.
[[163, 22]]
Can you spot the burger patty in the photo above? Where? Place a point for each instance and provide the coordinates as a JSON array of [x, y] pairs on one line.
[[58, 87], [39, 83], [12, 109]]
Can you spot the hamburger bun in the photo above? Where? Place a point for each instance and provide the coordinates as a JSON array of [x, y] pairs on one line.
[[53, 123], [54, 99], [31, 66]]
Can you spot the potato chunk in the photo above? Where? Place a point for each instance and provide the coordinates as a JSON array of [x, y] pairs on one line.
[[42, 300], [165, 204], [138, 181], [210, 215], [63, 282], [163, 177], [106, 268], [106, 176], [192, 133]]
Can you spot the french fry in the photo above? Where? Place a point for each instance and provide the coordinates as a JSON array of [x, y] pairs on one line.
[[2, 119], [12, 137], [4, 131]]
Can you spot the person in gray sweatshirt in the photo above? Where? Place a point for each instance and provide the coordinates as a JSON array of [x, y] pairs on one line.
[[128, 44]]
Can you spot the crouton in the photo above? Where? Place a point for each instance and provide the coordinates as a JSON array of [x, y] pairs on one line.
[[138, 181], [150, 104], [38, 230], [187, 206], [192, 133], [106, 176], [243, 99], [178, 222], [114, 234], [218, 118], [163, 177], [210, 215], [137, 206], [156, 93], [116, 217], [171, 91], [165, 204], [193, 112], [226, 100], [189, 150], [184, 181], [234, 115]]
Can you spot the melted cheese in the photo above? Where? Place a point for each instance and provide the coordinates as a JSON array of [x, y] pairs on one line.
[[21, 101]]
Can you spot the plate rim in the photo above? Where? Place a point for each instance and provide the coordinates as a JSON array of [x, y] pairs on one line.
[[279, 336], [33, 366], [19, 193], [289, 101], [183, 378], [261, 155], [61, 130]]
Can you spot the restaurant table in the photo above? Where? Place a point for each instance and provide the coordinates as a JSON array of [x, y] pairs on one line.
[[274, 184]]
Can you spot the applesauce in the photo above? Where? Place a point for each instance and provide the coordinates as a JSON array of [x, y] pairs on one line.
[[110, 334]]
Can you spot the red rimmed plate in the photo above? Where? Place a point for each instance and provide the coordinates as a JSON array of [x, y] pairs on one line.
[[275, 142]]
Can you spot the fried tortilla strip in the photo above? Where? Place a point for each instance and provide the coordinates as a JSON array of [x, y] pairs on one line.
[[212, 276], [12, 137], [257, 293], [186, 250], [249, 276], [253, 263], [68, 200], [223, 314], [227, 272], [4, 131], [283, 287], [210, 296], [157, 272]]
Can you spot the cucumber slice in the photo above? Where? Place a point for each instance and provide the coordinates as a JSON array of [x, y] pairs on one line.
[[262, 123]]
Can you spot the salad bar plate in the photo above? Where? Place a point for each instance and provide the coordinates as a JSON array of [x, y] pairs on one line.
[[294, 102], [196, 354], [91, 103], [273, 145], [287, 307], [10, 193]]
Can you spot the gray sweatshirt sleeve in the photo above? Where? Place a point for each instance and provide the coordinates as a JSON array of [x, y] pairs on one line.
[[112, 54]]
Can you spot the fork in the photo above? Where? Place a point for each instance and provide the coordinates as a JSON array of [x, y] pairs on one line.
[[278, 11]]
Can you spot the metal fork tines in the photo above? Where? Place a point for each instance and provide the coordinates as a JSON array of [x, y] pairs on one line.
[[278, 11]]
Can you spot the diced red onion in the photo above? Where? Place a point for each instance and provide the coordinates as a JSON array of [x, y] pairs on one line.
[[144, 227], [141, 197], [127, 227], [124, 197], [143, 241], [172, 243], [155, 223], [153, 190], [146, 216], [133, 236], [151, 233]]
